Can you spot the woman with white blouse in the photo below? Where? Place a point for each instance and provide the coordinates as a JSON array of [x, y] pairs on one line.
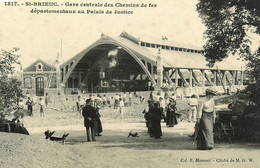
[[204, 138]]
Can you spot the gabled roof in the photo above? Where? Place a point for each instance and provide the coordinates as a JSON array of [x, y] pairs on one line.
[[171, 58], [46, 66]]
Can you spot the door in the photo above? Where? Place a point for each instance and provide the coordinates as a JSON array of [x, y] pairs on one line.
[[39, 86]]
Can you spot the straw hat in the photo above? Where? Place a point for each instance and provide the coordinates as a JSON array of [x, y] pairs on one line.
[[210, 92]]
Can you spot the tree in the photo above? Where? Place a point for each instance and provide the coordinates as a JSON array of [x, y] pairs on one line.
[[10, 87], [230, 25]]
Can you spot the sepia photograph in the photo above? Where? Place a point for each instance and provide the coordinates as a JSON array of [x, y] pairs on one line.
[[129, 83]]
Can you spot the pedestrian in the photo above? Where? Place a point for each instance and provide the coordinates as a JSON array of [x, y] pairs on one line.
[[151, 96], [205, 140], [171, 116], [29, 104], [41, 107], [162, 106], [156, 120], [109, 101], [98, 124], [21, 104], [116, 103], [121, 107], [193, 103], [130, 99], [148, 117], [104, 101], [89, 115], [46, 99], [145, 112], [124, 98], [80, 104]]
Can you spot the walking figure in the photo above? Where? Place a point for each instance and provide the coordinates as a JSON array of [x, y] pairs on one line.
[[29, 104]]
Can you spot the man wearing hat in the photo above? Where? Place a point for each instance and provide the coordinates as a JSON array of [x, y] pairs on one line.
[[89, 115]]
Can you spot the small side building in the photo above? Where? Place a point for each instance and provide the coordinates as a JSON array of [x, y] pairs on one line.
[[41, 77]]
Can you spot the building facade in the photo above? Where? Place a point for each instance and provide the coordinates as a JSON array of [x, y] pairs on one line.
[[40, 78]]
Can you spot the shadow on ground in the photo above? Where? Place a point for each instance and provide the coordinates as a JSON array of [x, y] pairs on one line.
[[170, 141]]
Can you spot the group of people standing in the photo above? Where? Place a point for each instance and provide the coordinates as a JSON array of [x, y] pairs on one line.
[[155, 112], [152, 115], [204, 115], [30, 103]]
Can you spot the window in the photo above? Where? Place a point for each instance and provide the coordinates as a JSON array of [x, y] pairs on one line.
[[148, 45], [167, 47], [153, 45], [142, 44], [53, 82], [28, 83], [39, 67]]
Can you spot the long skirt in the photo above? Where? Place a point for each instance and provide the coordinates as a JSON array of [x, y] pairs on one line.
[[98, 126], [204, 138], [171, 118], [156, 128]]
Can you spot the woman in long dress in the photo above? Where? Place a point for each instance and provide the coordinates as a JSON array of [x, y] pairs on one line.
[[171, 116], [204, 138], [156, 121]]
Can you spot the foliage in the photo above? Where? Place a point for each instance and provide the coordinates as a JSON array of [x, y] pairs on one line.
[[253, 90], [10, 89], [230, 23]]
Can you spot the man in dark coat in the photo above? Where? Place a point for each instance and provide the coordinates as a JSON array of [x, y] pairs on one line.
[[89, 114]]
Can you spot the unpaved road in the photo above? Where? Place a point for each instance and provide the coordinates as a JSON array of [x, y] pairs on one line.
[[114, 149]]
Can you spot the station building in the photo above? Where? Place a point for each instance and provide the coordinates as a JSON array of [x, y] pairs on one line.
[[127, 63]]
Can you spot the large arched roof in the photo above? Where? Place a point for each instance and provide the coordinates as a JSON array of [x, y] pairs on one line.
[[171, 59], [124, 44]]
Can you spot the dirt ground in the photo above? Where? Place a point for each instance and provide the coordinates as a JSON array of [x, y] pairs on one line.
[[114, 148]]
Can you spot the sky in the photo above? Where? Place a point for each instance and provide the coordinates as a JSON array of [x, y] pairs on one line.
[[40, 35]]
